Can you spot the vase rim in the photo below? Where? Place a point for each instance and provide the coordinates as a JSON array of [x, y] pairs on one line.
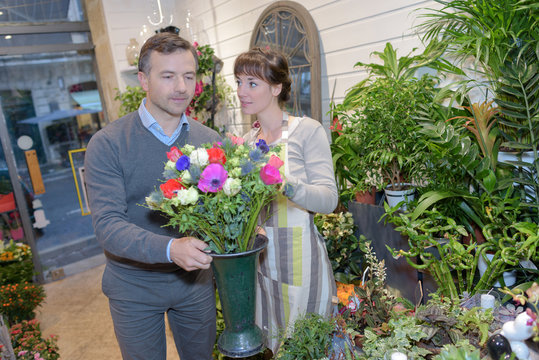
[[261, 241]]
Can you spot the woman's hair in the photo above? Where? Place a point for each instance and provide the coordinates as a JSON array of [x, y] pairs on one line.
[[165, 43], [268, 65]]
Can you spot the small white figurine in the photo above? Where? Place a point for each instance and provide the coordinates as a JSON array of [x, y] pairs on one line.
[[398, 356], [517, 332]]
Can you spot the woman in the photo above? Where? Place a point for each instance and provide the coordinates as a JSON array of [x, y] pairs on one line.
[[295, 274]]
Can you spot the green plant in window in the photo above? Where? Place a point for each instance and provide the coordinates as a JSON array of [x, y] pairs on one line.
[[130, 99]]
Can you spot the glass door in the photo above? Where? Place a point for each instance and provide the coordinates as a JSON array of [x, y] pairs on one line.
[[51, 105]]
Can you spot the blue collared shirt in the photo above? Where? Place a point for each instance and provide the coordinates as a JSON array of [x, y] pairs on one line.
[[151, 124]]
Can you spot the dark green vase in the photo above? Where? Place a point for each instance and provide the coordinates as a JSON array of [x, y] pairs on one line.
[[235, 275]]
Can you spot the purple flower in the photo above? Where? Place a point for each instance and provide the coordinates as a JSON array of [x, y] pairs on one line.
[[212, 178], [183, 163], [262, 145]]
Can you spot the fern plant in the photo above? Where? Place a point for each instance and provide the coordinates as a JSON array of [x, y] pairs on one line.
[[518, 99]]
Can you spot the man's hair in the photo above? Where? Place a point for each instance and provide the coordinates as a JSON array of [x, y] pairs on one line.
[[165, 43]]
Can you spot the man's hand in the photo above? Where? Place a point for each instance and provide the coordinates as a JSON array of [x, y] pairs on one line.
[[188, 253]]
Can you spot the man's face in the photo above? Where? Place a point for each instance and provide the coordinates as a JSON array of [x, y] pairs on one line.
[[170, 84]]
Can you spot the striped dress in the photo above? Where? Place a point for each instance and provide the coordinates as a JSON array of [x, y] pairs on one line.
[[295, 274]]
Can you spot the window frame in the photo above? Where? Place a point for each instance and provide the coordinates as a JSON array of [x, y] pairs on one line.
[[312, 37]]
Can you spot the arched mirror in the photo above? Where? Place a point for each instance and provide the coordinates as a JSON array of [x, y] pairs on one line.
[[288, 27]]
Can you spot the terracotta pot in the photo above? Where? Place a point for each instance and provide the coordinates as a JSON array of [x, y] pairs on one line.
[[366, 197]]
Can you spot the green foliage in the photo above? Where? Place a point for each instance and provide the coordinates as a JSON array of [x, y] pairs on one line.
[[220, 327], [29, 344], [435, 244], [310, 339], [338, 232], [211, 89], [459, 352], [374, 302], [5, 186], [404, 334], [491, 32], [16, 264], [518, 98], [379, 131], [130, 99]]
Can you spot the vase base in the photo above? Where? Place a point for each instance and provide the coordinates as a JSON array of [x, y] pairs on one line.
[[240, 345]]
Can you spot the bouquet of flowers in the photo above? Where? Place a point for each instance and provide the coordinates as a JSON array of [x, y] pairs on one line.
[[216, 192]]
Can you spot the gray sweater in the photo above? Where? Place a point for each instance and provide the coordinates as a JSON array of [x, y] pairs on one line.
[[123, 164]]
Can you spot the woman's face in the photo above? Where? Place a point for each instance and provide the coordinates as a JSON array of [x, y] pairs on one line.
[[256, 95]]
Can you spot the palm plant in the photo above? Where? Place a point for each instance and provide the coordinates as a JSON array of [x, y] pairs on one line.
[[518, 98], [490, 32]]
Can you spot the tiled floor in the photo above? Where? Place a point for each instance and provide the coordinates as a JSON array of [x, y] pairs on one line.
[[76, 310]]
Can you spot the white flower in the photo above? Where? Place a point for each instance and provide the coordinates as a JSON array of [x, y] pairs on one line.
[[152, 204], [170, 165], [188, 149], [199, 157], [186, 177], [188, 196], [235, 162], [232, 186], [236, 172]]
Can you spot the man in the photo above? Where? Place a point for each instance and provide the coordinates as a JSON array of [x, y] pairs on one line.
[[149, 270]]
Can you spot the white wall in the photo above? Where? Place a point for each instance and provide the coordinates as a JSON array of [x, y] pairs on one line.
[[350, 30]]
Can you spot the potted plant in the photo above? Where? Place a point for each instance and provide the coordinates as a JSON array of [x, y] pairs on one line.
[[501, 38], [379, 117], [342, 246]]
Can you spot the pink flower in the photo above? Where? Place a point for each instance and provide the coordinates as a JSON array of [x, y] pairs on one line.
[[174, 153], [212, 178], [275, 161], [195, 44], [270, 175], [236, 140], [199, 88]]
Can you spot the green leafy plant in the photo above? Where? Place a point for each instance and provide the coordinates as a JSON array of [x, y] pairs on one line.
[[16, 264], [19, 301], [212, 91], [373, 303], [518, 98], [130, 99], [338, 232], [458, 352], [404, 336], [309, 340], [435, 244], [492, 33], [29, 344], [378, 118]]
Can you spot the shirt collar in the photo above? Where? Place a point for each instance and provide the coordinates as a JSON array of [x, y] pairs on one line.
[[149, 121]]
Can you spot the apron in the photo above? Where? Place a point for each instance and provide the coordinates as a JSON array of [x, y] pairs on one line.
[[295, 275]]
